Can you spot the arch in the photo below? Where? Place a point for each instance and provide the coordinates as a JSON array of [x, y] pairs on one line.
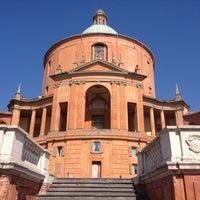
[[97, 107], [2, 122], [99, 51]]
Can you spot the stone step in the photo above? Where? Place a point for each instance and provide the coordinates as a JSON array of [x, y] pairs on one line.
[[93, 180], [91, 194], [93, 189], [115, 189], [86, 198], [89, 185]]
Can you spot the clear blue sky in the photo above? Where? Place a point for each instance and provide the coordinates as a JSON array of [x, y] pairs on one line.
[[171, 29]]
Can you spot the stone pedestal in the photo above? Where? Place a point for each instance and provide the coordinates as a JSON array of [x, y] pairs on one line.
[[169, 167], [23, 164]]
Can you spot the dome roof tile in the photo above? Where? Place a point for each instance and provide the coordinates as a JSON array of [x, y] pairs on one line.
[[99, 28]]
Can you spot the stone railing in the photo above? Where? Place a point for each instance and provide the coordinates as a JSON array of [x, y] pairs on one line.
[[20, 153], [176, 147]]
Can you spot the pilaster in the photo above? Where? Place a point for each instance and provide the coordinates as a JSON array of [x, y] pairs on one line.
[[15, 117], [55, 115], [80, 106], [114, 107], [72, 107], [179, 117], [140, 109], [123, 108]]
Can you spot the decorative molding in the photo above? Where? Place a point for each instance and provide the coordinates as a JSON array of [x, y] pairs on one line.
[[120, 61], [75, 63], [58, 69], [76, 82], [57, 85], [100, 80], [82, 59], [138, 85], [113, 59], [193, 142], [118, 82], [137, 69]]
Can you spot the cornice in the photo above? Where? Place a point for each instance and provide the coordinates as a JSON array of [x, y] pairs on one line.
[[158, 102], [111, 81]]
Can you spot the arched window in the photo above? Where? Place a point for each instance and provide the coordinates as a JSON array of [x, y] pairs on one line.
[[99, 51], [97, 110]]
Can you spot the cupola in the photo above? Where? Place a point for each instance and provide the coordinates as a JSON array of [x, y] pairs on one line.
[[99, 24], [100, 17]]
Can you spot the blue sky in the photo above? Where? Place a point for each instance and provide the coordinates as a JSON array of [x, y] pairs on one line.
[[171, 29]]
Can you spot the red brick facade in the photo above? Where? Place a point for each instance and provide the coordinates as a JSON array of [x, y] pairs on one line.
[[98, 106]]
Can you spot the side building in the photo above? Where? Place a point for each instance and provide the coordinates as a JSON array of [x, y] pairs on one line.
[[98, 105]]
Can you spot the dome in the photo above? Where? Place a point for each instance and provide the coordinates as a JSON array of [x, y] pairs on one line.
[[99, 24], [99, 28], [100, 11]]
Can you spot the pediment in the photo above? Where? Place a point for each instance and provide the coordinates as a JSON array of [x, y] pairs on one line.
[[98, 66]]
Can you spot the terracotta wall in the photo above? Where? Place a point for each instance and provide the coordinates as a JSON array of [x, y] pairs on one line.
[[18, 188], [5, 118], [77, 154], [174, 187], [120, 48]]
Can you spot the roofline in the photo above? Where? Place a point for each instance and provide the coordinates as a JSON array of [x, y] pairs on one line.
[[24, 100], [166, 101], [5, 112], [92, 34], [74, 72], [192, 113]]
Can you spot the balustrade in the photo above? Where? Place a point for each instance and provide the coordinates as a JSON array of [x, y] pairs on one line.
[[175, 146], [19, 151]]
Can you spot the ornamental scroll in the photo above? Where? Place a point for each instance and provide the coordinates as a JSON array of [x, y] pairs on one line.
[[193, 142]]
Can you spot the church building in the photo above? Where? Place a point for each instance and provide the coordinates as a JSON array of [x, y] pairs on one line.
[[98, 106]]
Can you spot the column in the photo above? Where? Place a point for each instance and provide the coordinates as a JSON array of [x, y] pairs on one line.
[[32, 124], [15, 117], [43, 122], [162, 117], [152, 121]]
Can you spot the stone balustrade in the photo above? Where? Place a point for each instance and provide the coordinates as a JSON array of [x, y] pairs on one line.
[[176, 147], [21, 154]]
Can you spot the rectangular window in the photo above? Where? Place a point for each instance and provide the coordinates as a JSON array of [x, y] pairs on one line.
[[60, 151], [96, 147], [132, 117], [49, 68], [133, 151], [63, 116], [134, 169]]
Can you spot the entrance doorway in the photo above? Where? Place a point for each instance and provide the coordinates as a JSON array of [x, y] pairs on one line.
[[96, 169]]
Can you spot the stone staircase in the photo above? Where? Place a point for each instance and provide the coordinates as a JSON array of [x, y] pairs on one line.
[[90, 189]]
